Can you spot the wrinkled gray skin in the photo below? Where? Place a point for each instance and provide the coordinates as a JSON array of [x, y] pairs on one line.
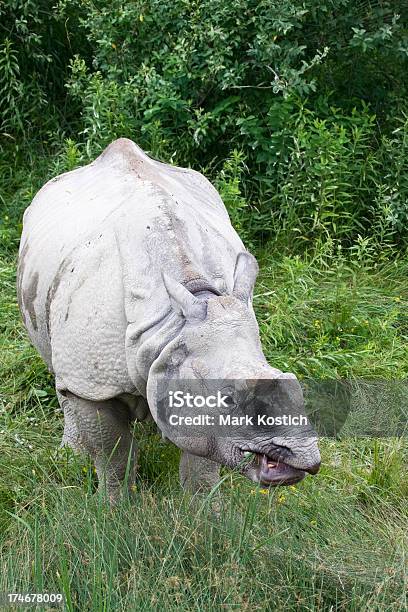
[[130, 271]]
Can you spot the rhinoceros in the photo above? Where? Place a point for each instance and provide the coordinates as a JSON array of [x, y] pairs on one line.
[[130, 273]]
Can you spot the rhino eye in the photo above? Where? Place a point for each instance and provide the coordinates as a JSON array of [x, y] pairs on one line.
[[229, 397], [229, 400]]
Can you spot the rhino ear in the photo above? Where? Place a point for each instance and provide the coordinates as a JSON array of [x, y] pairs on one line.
[[182, 301], [246, 271]]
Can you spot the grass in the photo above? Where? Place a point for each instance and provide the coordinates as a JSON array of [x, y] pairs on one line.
[[334, 542]]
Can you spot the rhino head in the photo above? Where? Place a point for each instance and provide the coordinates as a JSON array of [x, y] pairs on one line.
[[219, 341]]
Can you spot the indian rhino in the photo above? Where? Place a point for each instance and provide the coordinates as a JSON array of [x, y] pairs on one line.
[[131, 273]]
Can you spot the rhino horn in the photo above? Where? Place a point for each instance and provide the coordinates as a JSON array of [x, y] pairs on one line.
[[182, 301], [246, 271]]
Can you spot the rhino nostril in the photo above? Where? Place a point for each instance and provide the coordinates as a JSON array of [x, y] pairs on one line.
[[313, 469]]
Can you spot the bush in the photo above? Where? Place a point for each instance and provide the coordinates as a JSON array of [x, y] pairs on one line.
[[310, 94], [35, 47]]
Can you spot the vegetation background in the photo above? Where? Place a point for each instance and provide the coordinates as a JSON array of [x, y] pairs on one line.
[[297, 111]]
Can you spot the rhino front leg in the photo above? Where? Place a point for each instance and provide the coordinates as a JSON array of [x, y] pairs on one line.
[[197, 473], [102, 429], [70, 436]]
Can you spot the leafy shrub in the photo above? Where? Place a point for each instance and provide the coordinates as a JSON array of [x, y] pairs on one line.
[[392, 187], [308, 92], [229, 183], [194, 82], [35, 47], [324, 185]]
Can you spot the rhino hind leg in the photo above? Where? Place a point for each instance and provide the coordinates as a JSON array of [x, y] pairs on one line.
[[102, 429], [198, 473]]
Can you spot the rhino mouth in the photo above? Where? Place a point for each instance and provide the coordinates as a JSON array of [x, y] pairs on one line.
[[270, 472]]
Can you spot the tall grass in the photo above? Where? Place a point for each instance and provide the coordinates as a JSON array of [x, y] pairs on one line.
[[334, 542], [309, 548]]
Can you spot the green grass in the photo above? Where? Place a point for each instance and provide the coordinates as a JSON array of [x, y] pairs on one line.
[[334, 542]]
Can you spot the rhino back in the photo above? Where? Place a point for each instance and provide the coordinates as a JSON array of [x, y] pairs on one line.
[[94, 244]]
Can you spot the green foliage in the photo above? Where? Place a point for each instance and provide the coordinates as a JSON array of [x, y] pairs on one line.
[[229, 182], [392, 191], [324, 184], [213, 78], [10, 87], [334, 314], [35, 47], [311, 94]]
